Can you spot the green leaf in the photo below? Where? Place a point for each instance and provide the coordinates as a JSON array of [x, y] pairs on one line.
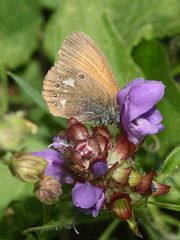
[[152, 59], [174, 207], [67, 221], [35, 96], [11, 188], [148, 19], [171, 165], [19, 28], [15, 131], [53, 4], [75, 15], [29, 90]]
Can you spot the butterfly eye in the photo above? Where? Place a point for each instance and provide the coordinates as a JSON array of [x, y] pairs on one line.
[[56, 105], [59, 77], [54, 95], [57, 85], [81, 75]]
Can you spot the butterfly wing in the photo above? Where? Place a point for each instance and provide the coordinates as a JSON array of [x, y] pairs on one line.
[[75, 86], [81, 52]]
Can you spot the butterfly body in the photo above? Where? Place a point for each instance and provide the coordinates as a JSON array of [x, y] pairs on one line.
[[81, 84]]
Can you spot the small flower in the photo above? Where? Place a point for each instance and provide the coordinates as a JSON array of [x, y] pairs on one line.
[[57, 166], [48, 190], [59, 143], [139, 116], [99, 168], [88, 198]]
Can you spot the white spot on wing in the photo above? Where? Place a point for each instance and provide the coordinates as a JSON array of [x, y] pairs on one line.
[[69, 82], [63, 102]]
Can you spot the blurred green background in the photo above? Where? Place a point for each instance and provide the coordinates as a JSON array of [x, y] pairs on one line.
[[141, 38]]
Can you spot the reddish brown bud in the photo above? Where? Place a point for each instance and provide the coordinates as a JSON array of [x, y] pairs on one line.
[[48, 190], [76, 132], [83, 148], [145, 185], [71, 121], [159, 188], [73, 157], [94, 145], [123, 150], [120, 204], [121, 175], [103, 131], [103, 144]]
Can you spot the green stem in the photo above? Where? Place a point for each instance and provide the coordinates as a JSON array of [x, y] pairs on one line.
[[46, 214], [169, 206], [110, 229], [4, 91]]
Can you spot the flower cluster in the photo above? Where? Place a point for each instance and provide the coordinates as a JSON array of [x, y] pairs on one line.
[[99, 165]]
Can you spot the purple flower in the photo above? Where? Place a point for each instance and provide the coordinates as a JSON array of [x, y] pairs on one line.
[[138, 114], [59, 143], [88, 198], [99, 168], [57, 167]]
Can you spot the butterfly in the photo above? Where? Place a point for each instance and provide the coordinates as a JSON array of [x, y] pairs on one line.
[[81, 84]]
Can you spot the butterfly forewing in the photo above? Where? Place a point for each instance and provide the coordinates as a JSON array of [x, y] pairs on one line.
[[76, 86]]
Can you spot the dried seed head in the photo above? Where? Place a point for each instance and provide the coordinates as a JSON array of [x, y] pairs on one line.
[[48, 190]]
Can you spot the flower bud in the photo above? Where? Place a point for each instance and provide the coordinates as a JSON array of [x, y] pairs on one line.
[[159, 188], [75, 159], [102, 130], [120, 204], [83, 148], [121, 175], [76, 131], [145, 185], [134, 178], [103, 143], [59, 143], [27, 167], [71, 121], [123, 150], [48, 190], [133, 226]]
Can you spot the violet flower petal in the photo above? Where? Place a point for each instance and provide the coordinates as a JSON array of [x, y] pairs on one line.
[[143, 97], [88, 198], [137, 108], [99, 168], [57, 167]]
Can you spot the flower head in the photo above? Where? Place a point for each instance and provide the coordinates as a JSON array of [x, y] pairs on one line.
[[57, 166], [48, 190], [139, 116], [88, 198]]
